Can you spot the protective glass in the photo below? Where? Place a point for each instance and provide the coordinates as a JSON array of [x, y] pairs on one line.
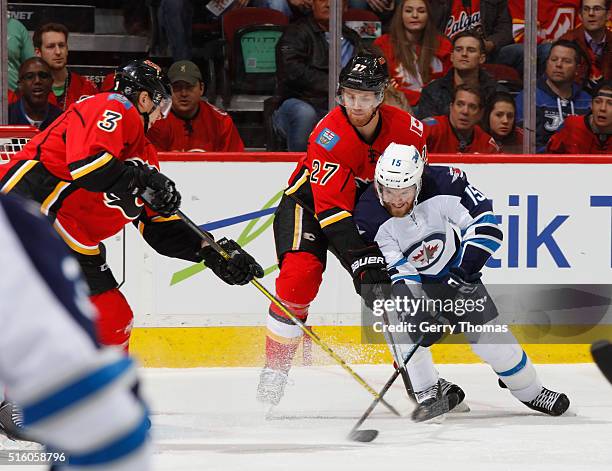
[[165, 105]]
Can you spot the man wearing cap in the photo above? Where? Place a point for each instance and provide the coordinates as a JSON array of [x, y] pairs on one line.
[[194, 125]]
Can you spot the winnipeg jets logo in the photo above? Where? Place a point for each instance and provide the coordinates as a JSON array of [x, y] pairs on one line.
[[426, 254]]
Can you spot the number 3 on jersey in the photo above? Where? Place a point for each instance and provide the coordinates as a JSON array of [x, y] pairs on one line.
[[328, 169], [109, 120]]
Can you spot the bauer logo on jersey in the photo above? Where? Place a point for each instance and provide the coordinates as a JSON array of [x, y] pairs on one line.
[[327, 139], [425, 253]]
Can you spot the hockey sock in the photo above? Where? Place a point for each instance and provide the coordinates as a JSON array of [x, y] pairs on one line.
[[283, 335], [512, 365], [421, 369]]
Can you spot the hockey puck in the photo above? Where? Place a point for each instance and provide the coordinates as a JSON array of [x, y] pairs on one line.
[[363, 436]]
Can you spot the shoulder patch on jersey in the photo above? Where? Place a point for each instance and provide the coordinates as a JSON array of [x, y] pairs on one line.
[[416, 126], [430, 121], [121, 99], [456, 174], [327, 139]]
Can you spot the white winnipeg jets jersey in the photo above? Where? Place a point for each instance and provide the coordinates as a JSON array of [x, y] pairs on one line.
[[452, 225], [75, 397]]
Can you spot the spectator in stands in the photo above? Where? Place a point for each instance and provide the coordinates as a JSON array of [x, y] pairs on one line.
[[382, 8], [193, 125], [595, 42], [20, 48], [293, 9], [489, 18], [500, 122], [33, 106], [555, 18], [557, 95], [175, 18], [416, 53], [588, 134], [51, 43], [458, 132], [302, 55], [466, 57]]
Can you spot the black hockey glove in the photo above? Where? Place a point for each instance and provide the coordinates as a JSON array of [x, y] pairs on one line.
[[369, 268], [458, 283], [156, 190], [239, 269]]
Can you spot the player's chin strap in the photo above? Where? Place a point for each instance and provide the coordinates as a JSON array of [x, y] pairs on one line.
[[145, 117]]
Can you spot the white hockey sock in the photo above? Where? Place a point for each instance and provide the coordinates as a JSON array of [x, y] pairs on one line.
[[421, 370], [508, 359]]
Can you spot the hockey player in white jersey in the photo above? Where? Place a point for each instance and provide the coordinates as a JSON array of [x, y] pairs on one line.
[[436, 232], [76, 398]]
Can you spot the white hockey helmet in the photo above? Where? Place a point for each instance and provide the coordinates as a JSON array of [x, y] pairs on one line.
[[399, 167]]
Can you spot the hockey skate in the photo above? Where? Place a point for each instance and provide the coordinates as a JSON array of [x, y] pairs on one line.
[[436, 400], [11, 423], [549, 402], [448, 388], [271, 386]]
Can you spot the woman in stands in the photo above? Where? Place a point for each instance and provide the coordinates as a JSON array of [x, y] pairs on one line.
[[500, 122], [416, 52]]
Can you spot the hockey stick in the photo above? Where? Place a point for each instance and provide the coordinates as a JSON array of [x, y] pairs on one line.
[[368, 435], [398, 363], [273, 299], [602, 354]]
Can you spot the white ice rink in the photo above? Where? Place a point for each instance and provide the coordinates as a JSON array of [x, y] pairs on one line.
[[208, 419]]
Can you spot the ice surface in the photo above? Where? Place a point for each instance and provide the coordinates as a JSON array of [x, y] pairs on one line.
[[208, 419]]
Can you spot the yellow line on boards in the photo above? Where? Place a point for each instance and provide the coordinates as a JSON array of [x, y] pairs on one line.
[[186, 347]]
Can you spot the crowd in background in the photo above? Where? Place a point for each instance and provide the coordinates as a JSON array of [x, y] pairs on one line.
[[455, 64]]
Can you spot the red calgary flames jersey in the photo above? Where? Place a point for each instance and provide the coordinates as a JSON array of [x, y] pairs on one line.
[[339, 162], [441, 138], [210, 130], [555, 18], [77, 147], [577, 137], [462, 17]]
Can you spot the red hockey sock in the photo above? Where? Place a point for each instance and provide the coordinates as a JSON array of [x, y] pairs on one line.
[[296, 286], [115, 317]]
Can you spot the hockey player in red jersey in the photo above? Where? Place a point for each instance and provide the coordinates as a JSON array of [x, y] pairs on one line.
[[92, 171], [588, 134], [315, 213]]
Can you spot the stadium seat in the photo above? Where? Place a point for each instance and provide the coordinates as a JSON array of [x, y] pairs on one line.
[[250, 42]]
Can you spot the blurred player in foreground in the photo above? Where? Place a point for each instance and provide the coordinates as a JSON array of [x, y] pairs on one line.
[[76, 398], [436, 232]]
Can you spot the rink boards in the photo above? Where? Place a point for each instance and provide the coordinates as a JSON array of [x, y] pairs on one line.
[[556, 216]]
